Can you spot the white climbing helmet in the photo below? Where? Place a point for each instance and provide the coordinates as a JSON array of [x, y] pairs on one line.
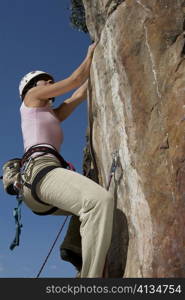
[[28, 77]]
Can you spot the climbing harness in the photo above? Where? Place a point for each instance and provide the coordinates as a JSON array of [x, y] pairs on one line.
[[13, 183], [44, 150], [16, 188], [43, 172], [33, 186]]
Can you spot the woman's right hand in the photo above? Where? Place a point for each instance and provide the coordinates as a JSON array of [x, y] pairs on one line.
[[91, 49], [77, 78]]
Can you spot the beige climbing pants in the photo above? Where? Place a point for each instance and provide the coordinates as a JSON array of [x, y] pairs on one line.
[[72, 240], [75, 194]]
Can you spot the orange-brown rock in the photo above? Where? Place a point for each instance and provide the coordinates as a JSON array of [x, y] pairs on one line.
[[137, 107]]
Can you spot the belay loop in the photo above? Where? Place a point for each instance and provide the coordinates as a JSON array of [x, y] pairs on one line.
[[17, 216]]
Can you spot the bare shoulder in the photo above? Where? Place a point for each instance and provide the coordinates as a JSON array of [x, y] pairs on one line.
[[30, 101]]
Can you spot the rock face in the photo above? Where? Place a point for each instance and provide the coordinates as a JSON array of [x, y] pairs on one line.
[[137, 108]]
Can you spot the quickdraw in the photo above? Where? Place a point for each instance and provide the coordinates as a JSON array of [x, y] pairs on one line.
[[114, 165]]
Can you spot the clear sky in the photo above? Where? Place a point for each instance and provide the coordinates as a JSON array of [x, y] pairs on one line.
[[36, 35]]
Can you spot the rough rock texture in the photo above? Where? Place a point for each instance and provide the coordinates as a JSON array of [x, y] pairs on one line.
[[137, 107]]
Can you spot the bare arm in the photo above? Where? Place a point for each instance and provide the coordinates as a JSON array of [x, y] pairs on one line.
[[79, 76], [67, 107]]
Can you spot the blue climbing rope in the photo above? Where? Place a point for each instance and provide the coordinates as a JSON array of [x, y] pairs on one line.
[[17, 217]]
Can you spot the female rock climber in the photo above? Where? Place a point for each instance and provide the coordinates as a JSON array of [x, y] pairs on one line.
[[47, 184]]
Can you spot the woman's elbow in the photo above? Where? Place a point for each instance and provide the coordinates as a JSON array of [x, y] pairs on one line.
[[78, 78]]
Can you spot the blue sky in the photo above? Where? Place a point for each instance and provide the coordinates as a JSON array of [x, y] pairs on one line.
[[36, 35]]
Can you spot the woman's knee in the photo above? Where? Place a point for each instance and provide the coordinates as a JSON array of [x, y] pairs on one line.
[[106, 201]]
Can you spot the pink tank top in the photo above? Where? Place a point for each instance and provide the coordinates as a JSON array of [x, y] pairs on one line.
[[40, 126]]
